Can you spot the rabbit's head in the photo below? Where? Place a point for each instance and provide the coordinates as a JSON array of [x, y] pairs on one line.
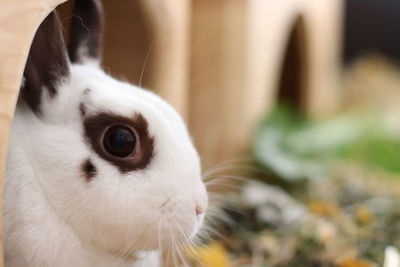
[[114, 162]]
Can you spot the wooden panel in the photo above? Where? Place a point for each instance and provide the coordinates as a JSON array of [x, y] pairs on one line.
[[323, 20], [127, 41], [146, 42], [169, 24], [216, 80], [19, 21], [238, 64]]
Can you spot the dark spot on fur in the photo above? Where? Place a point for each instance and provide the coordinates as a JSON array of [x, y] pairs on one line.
[[87, 91], [46, 65], [82, 105], [82, 109], [96, 126], [86, 30], [89, 170]]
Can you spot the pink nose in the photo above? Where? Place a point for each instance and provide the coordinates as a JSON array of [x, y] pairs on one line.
[[199, 210]]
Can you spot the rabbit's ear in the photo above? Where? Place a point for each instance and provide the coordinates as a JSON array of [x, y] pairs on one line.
[[85, 43], [47, 63]]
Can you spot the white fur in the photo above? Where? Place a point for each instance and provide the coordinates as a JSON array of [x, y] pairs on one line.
[[54, 218]]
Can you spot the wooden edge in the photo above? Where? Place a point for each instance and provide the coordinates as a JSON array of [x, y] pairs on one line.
[[19, 21]]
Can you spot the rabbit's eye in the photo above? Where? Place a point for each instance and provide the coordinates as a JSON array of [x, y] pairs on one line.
[[119, 141], [124, 142]]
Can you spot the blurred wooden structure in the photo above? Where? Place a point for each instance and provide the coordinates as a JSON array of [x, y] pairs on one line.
[[221, 63], [257, 52], [224, 63]]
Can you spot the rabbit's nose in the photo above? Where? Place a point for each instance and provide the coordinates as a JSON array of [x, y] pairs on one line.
[[199, 210]]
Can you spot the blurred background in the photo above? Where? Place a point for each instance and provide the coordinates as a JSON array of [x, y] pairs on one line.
[[294, 107]]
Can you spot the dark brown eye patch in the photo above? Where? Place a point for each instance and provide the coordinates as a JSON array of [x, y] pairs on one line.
[[124, 142]]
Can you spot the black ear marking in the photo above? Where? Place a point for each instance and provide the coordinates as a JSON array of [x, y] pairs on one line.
[[47, 63], [86, 31]]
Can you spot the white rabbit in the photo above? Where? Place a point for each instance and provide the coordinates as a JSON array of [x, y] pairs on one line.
[[99, 172]]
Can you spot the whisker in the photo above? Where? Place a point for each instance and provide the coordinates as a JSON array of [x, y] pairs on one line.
[[145, 251], [130, 248], [173, 248], [186, 237], [145, 64], [228, 164], [228, 177]]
